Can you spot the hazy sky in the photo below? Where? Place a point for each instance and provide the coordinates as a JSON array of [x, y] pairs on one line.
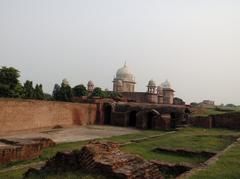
[[193, 43]]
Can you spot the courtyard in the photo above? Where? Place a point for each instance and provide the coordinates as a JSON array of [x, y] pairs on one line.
[[141, 143]]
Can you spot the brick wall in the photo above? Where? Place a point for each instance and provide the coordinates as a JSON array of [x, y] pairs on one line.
[[31, 114], [227, 120], [205, 122]]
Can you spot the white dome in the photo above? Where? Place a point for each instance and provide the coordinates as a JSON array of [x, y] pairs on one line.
[[65, 82], [90, 83], [124, 74], [151, 83], [166, 84]]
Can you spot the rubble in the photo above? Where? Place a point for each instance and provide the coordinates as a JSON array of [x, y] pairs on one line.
[[101, 157]]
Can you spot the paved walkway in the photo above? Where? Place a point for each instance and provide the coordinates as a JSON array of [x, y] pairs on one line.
[[74, 133]]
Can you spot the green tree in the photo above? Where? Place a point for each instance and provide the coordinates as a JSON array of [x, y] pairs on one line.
[[38, 92], [29, 92], [9, 82], [97, 92], [56, 92], [48, 97], [62, 93], [66, 93], [115, 95], [80, 90]]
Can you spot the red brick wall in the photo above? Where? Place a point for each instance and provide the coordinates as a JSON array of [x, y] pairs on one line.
[[228, 120], [205, 122], [30, 114]]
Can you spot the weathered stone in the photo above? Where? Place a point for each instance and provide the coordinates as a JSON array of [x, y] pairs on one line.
[[105, 158], [22, 149]]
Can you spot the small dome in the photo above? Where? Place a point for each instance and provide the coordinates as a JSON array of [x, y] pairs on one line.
[[151, 83], [124, 74], [166, 84], [65, 82], [90, 83]]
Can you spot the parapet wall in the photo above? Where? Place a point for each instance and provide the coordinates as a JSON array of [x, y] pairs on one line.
[[18, 115], [227, 120]]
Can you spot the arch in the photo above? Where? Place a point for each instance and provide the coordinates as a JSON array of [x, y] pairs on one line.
[[187, 111], [132, 119], [150, 117], [107, 109], [173, 120]]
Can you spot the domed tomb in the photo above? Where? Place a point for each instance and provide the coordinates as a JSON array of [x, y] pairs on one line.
[[124, 80]]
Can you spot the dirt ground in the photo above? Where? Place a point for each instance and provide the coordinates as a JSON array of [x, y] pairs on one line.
[[73, 133]]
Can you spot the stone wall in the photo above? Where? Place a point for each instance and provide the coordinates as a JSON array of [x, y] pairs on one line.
[[139, 97], [227, 120], [205, 122], [18, 115], [22, 149]]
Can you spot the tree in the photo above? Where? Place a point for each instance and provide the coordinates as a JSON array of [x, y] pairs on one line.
[[48, 97], [97, 92], [28, 90], [115, 95], [194, 104], [230, 105], [66, 93], [9, 83], [56, 92], [38, 92], [80, 90], [62, 93]]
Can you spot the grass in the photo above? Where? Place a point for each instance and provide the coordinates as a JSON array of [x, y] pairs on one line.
[[204, 112], [227, 167], [139, 135], [48, 153], [189, 138], [18, 174], [196, 139]]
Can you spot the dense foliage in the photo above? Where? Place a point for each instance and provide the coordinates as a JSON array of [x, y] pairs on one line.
[[62, 93], [11, 87], [80, 90], [9, 83]]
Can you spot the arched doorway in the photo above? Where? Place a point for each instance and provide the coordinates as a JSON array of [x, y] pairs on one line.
[[107, 113], [186, 116], [173, 120], [132, 119], [150, 121]]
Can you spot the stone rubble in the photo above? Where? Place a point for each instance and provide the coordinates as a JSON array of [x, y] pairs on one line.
[[102, 157]]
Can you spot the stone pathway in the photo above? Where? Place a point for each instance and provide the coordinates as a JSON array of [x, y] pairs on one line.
[[74, 133]]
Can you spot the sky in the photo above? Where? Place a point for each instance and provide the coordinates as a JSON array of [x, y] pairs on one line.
[[194, 44]]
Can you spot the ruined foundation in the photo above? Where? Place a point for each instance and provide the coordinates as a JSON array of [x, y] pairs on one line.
[[22, 149], [101, 157]]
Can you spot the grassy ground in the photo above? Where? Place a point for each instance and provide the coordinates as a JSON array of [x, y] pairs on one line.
[[227, 167], [204, 112], [189, 138]]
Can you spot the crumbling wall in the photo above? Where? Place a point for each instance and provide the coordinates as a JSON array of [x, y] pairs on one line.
[[205, 122], [102, 157], [227, 120], [30, 114], [22, 149]]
